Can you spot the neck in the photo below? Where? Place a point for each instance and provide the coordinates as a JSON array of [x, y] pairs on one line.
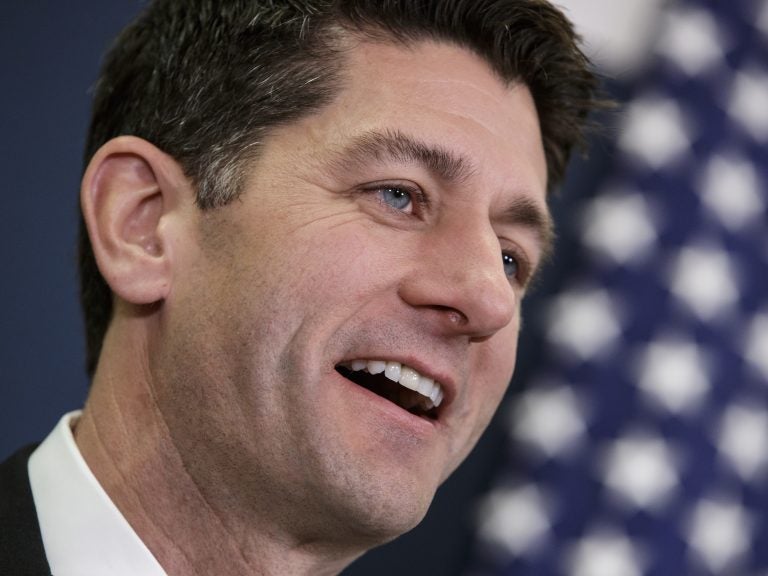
[[189, 528]]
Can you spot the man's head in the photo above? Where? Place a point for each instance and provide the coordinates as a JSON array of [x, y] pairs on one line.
[[205, 81], [321, 190]]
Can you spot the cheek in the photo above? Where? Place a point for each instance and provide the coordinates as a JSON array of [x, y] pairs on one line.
[[347, 264], [497, 363], [489, 393], [493, 392], [493, 362], [496, 358]]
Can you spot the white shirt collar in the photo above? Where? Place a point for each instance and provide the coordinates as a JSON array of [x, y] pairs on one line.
[[84, 534]]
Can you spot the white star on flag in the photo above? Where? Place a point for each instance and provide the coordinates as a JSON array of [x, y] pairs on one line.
[[640, 470], [704, 279], [604, 553], [619, 226], [743, 440], [514, 518], [718, 534], [548, 420], [655, 132], [757, 344], [731, 191], [673, 374], [692, 40], [748, 103], [584, 321]]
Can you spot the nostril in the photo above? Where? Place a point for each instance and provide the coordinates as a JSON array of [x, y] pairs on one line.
[[456, 317], [480, 339]]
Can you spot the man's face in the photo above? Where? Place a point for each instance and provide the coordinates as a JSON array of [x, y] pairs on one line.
[[397, 225]]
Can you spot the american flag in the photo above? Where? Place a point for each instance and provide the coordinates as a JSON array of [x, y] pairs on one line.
[[639, 445]]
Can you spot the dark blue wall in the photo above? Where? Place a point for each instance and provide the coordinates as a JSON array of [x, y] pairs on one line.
[[50, 54]]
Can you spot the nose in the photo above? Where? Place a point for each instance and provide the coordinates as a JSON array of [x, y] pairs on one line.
[[458, 280]]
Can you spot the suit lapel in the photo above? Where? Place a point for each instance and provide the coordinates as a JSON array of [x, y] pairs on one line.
[[21, 545]]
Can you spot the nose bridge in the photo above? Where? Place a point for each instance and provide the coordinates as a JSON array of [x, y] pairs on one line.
[[466, 275]]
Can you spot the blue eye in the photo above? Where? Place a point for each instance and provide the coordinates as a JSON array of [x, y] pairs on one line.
[[511, 266], [396, 197]]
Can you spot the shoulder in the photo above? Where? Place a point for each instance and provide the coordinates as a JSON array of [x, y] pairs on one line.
[[21, 546]]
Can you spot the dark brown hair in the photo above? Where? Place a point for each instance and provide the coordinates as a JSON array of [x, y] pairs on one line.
[[205, 81]]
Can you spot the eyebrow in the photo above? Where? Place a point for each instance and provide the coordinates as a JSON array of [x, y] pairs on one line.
[[526, 213], [399, 147], [448, 166]]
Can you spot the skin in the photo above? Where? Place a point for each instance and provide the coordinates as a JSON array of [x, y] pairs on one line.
[[216, 397]]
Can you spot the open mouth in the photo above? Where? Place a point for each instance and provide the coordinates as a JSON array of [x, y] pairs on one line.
[[398, 383]]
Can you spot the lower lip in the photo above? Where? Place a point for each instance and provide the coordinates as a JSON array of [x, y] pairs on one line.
[[417, 425]]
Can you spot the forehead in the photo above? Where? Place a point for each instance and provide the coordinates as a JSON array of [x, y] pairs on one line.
[[442, 94]]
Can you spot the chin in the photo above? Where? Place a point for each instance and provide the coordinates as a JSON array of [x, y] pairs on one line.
[[384, 517]]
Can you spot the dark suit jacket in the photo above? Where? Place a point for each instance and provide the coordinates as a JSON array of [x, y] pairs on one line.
[[21, 545]]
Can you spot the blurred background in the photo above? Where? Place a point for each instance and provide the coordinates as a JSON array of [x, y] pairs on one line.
[[634, 439]]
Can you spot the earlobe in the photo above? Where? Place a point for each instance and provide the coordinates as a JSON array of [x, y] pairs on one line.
[[129, 189]]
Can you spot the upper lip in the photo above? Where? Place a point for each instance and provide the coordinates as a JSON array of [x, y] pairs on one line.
[[445, 378]]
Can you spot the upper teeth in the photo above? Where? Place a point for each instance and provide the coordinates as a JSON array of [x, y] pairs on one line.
[[403, 374]]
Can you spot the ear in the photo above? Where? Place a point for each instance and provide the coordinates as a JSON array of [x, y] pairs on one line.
[[129, 193]]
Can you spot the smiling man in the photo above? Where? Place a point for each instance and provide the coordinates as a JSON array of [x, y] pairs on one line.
[[308, 230]]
